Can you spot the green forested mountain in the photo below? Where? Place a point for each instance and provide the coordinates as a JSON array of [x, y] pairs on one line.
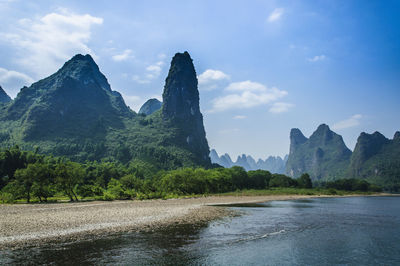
[[324, 155], [377, 159], [74, 113], [150, 106], [4, 98]]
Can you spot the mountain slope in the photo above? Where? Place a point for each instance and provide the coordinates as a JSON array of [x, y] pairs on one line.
[[75, 113], [377, 159], [150, 106], [4, 98], [324, 155], [76, 101]]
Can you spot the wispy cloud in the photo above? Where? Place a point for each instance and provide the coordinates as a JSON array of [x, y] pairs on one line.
[[239, 117], [348, 123], [133, 101], [153, 71], [276, 14], [212, 79], [12, 81], [280, 107], [246, 94], [317, 58], [125, 55], [45, 43]]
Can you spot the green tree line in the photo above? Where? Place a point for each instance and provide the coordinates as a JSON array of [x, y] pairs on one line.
[[26, 175]]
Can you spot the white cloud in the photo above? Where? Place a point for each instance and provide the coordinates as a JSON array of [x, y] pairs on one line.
[[246, 86], [12, 81], [317, 58], [152, 72], [276, 14], [239, 117], [133, 101], [212, 79], [125, 55], [280, 107], [246, 94], [347, 123], [45, 43], [211, 75]]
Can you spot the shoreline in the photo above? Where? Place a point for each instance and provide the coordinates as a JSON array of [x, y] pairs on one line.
[[24, 225]]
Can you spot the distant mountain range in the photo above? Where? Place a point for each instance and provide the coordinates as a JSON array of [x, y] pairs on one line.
[[75, 113], [272, 164], [325, 157]]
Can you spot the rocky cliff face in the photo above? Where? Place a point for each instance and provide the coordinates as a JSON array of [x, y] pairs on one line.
[[324, 155], [181, 106], [377, 159], [4, 98], [150, 106]]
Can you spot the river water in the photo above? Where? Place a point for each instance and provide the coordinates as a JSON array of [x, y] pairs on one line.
[[322, 231]]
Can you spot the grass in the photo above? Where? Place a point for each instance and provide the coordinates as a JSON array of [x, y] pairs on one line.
[[238, 193]]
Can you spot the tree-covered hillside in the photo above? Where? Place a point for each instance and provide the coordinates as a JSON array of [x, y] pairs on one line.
[[74, 113], [377, 159], [324, 155]]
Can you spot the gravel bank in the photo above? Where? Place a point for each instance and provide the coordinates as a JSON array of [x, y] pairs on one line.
[[35, 224]]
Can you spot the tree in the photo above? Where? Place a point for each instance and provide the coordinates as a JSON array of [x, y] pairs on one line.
[[279, 180], [68, 176], [259, 179], [24, 182], [43, 176], [304, 181]]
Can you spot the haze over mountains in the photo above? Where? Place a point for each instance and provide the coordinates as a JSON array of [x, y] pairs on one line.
[[272, 164]]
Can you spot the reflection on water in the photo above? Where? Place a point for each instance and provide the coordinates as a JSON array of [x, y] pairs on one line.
[[361, 230]]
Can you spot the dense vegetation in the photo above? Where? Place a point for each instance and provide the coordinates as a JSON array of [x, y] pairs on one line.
[[27, 175], [74, 113]]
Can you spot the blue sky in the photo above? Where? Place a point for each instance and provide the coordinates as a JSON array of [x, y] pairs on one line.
[[264, 67]]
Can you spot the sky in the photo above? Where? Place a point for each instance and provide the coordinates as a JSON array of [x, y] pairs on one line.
[[263, 67]]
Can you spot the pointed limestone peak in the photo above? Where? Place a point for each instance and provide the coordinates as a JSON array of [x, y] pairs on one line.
[[4, 98], [83, 68], [181, 96], [213, 153], [296, 137], [322, 135], [181, 106], [396, 136], [322, 129], [150, 106]]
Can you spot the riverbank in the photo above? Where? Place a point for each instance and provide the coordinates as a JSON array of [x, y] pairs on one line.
[[37, 224]]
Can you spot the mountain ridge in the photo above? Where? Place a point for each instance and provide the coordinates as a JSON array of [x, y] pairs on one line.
[[75, 113], [323, 155], [273, 164]]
